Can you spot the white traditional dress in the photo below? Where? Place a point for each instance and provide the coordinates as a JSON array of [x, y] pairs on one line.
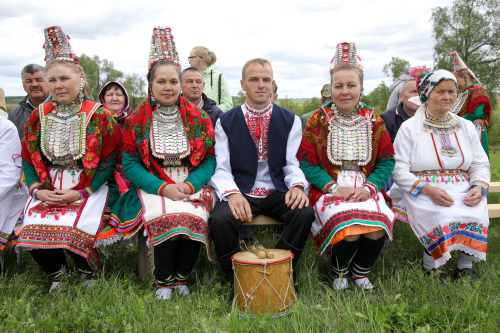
[[445, 153], [12, 191]]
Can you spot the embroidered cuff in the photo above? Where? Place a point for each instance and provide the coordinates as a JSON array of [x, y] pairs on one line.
[[86, 191], [373, 188], [415, 189], [162, 187], [35, 185], [485, 186], [298, 184], [226, 193], [190, 186], [327, 186]]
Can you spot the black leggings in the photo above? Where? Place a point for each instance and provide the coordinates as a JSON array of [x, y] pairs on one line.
[[53, 261], [174, 261]]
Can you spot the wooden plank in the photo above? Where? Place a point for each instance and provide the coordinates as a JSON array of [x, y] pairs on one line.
[[262, 220], [494, 211], [495, 187], [142, 251]]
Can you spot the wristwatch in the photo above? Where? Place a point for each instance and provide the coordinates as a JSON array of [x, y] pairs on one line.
[[34, 193], [334, 188], [80, 196]]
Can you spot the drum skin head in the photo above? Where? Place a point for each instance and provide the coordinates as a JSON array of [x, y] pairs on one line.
[[252, 258], [263, 286]]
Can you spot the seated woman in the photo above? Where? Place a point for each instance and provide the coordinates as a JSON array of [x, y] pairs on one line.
[[441, 178], [168, 157], [346, 153], [12, 192], [473, 103], [69, 154]]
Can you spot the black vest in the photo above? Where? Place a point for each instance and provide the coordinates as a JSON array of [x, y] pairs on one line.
[[242, 150]]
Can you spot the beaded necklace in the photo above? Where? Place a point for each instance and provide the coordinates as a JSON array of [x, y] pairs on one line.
[[443, 128], [349, 138], [63, 133], [168, 137]]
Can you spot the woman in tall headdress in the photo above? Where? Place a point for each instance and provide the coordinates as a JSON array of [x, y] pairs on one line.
[[168, 157], [347, 154], [69, 154], [473, 103], [441, 177]]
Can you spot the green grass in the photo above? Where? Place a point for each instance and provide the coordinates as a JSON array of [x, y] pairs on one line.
[[404, 301]]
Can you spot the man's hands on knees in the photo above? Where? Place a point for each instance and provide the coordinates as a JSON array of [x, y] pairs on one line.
[[296, 197], [239, 207], [437, 195]]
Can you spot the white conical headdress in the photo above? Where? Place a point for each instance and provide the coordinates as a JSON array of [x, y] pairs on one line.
[[459, 65], [162, 46]]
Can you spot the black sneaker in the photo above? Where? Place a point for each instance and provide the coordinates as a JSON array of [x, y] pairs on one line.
[[466, 272], [435, 273]]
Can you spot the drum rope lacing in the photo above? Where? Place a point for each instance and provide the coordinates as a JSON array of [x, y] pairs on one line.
[[250, 296]]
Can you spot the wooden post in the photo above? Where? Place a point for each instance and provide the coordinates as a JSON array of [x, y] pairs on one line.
[[142, 251]]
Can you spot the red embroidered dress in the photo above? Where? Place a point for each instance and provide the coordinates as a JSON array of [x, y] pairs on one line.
[[82, 161], [143, 204], [351, 153]]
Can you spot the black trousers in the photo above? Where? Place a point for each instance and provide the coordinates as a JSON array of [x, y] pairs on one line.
[[174, 261], [53, 261], [224, 228]]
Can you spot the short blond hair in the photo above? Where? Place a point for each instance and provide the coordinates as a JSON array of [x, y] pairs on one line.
[[208, 56], [260, 61]]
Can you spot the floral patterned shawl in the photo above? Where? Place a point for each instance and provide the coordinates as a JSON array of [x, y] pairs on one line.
[[199, 129], [315, 141], [477, 96], [102, 138]]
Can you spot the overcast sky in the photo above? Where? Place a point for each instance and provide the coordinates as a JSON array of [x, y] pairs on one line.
[[298, 37]]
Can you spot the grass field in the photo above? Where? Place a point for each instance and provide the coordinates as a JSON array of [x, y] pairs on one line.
[[404, 301]]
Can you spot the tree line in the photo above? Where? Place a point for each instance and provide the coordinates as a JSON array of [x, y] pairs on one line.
[[470, 27]]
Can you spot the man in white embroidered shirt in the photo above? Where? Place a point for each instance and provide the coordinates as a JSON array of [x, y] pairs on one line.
[[257, 169]]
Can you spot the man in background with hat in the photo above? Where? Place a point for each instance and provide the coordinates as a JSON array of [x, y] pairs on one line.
[[326, 96]]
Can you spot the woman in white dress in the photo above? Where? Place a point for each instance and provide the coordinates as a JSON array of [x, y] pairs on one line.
[[441, 178]]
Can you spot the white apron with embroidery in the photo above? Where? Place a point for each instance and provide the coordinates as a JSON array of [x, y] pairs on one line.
[[442, 229]]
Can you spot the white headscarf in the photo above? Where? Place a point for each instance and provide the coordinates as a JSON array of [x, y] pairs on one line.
[[427, 82]]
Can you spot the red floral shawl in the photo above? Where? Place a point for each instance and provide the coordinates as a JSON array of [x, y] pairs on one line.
[[102, 139], [198, 126], [477, 96], [314, 143]]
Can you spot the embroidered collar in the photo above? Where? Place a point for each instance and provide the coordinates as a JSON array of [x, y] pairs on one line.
[[258, 113]]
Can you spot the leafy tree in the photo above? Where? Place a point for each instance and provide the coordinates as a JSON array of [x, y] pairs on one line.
[[311, 104], [240, 98], [97, 72], [136, 89], [472, 28], [378, 98], [289, 104], [396, 67]]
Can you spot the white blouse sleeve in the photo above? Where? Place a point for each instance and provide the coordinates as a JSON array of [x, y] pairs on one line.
[[293, 174], [479, 170], [10, 157], [222, 180], [401, 175]]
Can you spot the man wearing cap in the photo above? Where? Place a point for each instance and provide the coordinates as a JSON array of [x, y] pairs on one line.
[[326, 96], [35, 85]]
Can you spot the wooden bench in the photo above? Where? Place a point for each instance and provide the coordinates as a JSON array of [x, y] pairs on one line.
[[145, 267]]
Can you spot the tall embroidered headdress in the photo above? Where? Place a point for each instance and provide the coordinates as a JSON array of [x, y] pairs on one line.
[[345, 53], [162, 46], [57, 46], [459, 65]]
